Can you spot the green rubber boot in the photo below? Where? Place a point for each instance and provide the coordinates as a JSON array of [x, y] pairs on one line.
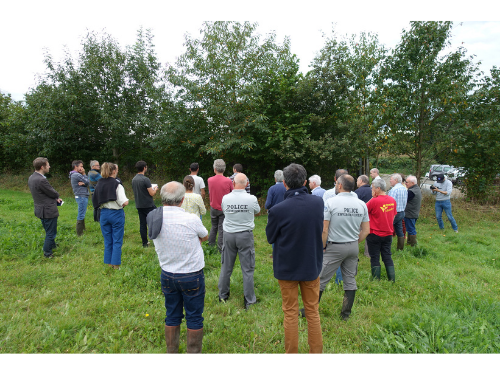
[[376, 272], [391, 274]]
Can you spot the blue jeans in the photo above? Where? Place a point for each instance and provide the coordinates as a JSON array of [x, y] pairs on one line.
[[398, 224], [112, 228], [338, 276], [82, 207], [50, 226], [446, 206], [410, 226], [184, 290]]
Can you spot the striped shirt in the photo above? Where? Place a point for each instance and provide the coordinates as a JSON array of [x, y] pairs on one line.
[[400, 195], [178, 244]]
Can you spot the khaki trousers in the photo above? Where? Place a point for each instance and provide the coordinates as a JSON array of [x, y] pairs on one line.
[[310, 296]]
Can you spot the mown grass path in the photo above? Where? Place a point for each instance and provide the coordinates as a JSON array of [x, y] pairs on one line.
[[446, 297]]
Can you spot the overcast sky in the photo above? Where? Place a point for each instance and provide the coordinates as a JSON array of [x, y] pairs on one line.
[[29, 27]]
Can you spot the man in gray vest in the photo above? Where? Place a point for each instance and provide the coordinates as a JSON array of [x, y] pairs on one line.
[[239, 209], [412, 209], [345, 224]]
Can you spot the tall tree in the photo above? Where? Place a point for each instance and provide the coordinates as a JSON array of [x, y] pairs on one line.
[[217, 87], [475, 146], [425, 91]]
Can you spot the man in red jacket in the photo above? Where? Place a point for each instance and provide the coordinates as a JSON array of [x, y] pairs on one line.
[[381, 211], [295, 226]]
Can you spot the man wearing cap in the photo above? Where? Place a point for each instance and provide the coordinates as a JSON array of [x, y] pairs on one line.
[[442, 190]]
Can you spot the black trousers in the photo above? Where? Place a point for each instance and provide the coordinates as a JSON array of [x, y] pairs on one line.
[[378, 246], [143, 226]]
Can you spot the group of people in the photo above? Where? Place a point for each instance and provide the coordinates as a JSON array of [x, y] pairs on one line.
[[314, 236]]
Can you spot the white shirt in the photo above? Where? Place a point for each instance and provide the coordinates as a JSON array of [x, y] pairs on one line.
[[198, 184], [178, 244], [121, 198]]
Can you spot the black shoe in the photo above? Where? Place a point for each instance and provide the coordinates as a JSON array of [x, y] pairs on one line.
[[49, 256], [247, 305], [225, 299], [145, 244]]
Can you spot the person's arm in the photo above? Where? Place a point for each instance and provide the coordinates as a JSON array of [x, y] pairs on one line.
[[269, 199], [202, 191], [324, 235], [47, 189], [272, 227], [256, 206], [365, 231], [84, 180], [201, 205], [152, 191], [411, 195], [121, 198]]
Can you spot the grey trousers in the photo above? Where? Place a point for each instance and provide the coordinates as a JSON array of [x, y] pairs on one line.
[[344, 255], [240, 244], [217, 218]]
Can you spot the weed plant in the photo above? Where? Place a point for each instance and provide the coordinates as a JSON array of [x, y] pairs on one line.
[[445, 299]]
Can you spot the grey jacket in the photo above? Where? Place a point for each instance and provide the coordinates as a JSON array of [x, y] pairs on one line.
[[155, 221], [44, 197], [412, 209], [79, 190]]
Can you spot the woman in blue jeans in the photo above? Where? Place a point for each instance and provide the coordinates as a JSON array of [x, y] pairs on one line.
[[110, 196], [442, 190]]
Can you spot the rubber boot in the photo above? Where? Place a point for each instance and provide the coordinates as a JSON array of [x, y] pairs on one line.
[[391, 273], [376, 273], [347, 304], [172, 338], [412, 239], [194, 340], [83, 222], [401, 243], [302, 312], [79, 227]]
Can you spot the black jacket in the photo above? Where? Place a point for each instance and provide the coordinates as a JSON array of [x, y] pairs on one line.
[[295, 227]]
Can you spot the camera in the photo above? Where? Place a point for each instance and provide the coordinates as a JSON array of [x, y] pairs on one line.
[[432, 187]]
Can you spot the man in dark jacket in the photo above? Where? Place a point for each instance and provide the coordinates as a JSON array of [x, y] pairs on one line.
[[80, 183], [364, 192], [295, 227], [412, 209], [45, 199]]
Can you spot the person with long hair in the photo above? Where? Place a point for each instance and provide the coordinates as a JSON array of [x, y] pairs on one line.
[[193, 203], [110, 196]]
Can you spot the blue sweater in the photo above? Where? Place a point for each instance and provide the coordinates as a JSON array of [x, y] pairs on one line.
[[275, 195], [364, 193], [295, 226]]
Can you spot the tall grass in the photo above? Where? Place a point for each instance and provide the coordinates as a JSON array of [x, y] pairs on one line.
[[445, 299]]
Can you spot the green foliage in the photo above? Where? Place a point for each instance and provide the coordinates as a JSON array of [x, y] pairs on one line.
[[426, 93], [476, 146], [105, 105], [465, 326]]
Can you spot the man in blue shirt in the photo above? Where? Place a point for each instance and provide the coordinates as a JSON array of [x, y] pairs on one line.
[[400, 195], [94, 175], [315, 186], [276, 192]]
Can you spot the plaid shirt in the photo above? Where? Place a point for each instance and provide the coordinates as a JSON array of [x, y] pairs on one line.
[[400, 195], [178, 244]]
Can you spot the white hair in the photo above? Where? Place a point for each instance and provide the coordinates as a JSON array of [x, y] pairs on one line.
[[278, 175], [315, 178], [411, 179], [397, 177]]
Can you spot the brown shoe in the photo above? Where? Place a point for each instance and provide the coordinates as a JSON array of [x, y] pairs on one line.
[[194, 340], [172, 338]]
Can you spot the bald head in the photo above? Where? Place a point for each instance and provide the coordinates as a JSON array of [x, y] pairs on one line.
[[240, 181], [172, 193]]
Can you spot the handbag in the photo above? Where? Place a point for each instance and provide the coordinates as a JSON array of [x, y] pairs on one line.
[[97, 214]]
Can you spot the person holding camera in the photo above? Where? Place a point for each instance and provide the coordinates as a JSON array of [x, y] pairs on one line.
[[442, 191]]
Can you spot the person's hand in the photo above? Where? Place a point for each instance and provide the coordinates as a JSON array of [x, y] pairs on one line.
[[59, 200], [81, 183]]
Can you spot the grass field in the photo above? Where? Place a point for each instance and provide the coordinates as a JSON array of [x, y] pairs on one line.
[[446, 298]]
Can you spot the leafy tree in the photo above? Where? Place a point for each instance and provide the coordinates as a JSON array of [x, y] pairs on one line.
[[14, 139], [425, 91], [475, 146], [218, 87], [105, 105]]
